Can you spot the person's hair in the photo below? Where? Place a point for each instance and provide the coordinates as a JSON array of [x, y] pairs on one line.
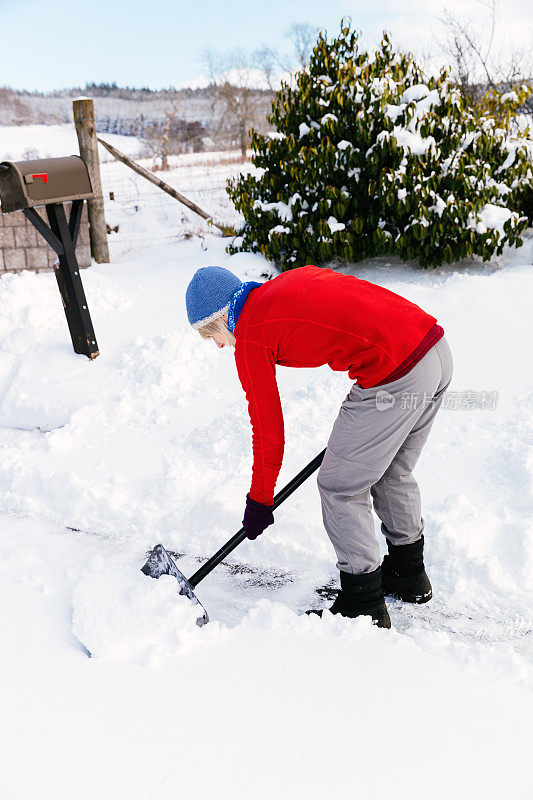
[[218, 325]]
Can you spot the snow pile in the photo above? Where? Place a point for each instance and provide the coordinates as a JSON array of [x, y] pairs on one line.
[[334, 225], [282, 209], [415, 93], [495, 217], [413, 141], [121, 614]]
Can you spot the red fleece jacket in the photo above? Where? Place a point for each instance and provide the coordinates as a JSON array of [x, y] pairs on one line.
[[308, 317]]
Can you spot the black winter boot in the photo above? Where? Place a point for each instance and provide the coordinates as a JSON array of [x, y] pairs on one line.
[[403, 573], [361, 595]]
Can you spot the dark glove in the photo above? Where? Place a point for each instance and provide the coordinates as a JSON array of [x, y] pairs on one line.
[[257, 517]]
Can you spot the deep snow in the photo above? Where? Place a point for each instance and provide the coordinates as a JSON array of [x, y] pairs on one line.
[[151, 442]]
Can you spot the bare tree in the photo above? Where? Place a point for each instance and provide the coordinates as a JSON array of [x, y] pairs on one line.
[[240, 80], [303, 37], [270, 61], [233, 77], [156, 135], [266, 59], [475, 66]]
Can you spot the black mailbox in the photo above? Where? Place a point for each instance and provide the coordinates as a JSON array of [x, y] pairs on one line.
[[25, 184], [51, 182]]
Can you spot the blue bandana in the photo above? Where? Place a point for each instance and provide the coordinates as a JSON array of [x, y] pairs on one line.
[[237, 302]]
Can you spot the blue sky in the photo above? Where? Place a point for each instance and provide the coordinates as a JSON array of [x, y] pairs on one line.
[[53, 43]]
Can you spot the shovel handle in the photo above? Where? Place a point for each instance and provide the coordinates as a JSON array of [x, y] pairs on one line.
[[240, 536]]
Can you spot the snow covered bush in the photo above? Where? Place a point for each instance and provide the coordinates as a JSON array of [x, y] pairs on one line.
[[370, 158]]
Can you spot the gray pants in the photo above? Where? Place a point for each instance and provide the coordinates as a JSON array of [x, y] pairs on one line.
[[374, 445]]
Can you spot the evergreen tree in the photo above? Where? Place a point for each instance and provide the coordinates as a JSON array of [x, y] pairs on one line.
[[370, 158]]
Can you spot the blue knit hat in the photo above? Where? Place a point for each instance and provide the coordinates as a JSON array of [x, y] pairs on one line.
[[209, 293]]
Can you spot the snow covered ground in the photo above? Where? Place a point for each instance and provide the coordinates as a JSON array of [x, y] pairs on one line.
[[151, 442], [19, 142]]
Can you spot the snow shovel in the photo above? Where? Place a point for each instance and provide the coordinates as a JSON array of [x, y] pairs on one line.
[[161, 563]]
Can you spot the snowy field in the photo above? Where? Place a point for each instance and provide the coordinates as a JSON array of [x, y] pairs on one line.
[[19, 142], [151, 442]]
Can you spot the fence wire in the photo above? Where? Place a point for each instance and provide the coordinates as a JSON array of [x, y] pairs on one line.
[[141, 215]]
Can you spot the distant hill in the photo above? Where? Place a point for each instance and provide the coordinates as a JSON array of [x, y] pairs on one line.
[[199, 119]]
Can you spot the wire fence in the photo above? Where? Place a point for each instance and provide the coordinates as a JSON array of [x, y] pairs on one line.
[[140, 215]]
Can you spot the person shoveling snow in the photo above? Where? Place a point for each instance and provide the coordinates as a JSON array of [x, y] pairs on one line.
[[401, 364]]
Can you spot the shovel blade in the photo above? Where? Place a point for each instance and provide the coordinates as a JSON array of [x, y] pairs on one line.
[[161, 563]]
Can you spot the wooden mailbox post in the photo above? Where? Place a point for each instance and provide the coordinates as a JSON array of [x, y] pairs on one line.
[[84, 120]]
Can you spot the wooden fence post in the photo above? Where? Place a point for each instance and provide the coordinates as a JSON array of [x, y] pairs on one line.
[[83, 108]]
